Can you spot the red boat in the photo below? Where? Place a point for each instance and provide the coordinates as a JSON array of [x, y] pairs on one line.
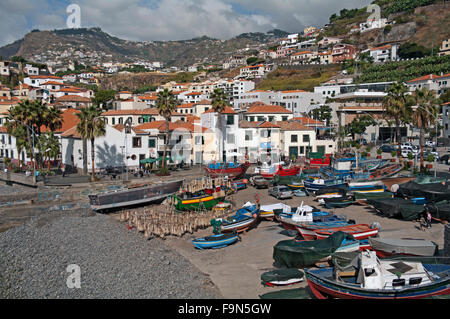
[[359, 231], [231, 170], [292, 171]]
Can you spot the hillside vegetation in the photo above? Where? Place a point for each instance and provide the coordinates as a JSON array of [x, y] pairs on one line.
[[305, 78]]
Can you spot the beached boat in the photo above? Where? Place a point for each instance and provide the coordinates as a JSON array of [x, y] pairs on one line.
[[193, 202], [359, 231], [392, 207], [244, 219], [239, 185], [300, 193], [373, 278], [440, 210], [338, 202], [312, 186], [308, 230], [433, 192], [283, 172], [232, 170], [363, 197], [300, 253], [403, 246], [269, 211], [215, 241], [296, 181], [386, 171], [282, 277], [151, 194]]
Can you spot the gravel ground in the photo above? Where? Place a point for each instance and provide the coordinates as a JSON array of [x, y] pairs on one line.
[[114, 262]]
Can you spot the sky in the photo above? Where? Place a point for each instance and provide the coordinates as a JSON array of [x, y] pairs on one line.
[[156, 20]]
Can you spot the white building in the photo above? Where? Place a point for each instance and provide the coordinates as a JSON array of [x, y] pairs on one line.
[[384, 53], [37, 80]]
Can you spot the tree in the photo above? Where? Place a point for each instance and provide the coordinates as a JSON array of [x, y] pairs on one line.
[[91, 125], [219, 103], [49, 144], [425, 115], [103, 98], [166, 104], [397, 107], [360, 124]]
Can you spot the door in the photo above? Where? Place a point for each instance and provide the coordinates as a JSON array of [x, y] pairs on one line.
[[321, 149], [293, 150]]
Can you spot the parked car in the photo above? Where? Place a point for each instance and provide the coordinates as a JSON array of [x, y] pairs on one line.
[[410, 149], [281, 192], [430, 143], [386, 148], [258, 181], [445, 159]]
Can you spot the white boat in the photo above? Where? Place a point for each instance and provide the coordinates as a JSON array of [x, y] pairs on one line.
[[268, 211], [268, 169]]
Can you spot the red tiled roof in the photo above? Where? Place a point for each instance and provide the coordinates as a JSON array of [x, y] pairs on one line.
[[307, 121], [258, 109], [227, 110], [384, 47], [185, 106], [52, 83], [73, 98], [152, 111], [293, 126], [45, 77], [69, 120], [424, 78]]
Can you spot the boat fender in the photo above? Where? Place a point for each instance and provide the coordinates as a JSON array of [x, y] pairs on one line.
[[375, 225]]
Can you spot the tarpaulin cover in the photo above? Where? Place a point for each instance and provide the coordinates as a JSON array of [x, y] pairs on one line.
[[380, 195], [299, 254], [440, 210], [285, 180], [426, 179], [281, 275], [432, 192], [299, 293], [391, 207]]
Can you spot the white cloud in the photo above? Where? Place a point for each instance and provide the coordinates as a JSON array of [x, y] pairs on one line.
[[148, 20]]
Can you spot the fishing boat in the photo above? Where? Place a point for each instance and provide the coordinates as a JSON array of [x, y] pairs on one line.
[[373, 278], [359, 231], [282, 171], [362, 198], [193, 202], [289, 180], [301, 253], [151, 194], [312, 186], [244, 219], [433, 192], [339, 202], [269, 211], [216, 241], [330, 192], [385, 247], [282, 277], [440, 210], [308, 230], [239, 185], [386, 171], [300, 193], [392, 207], [232, 170]]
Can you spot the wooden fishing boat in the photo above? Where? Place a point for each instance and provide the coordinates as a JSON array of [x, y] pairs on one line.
[[188, 203], [386, 171], [239, 185], [359, 231], [244, 219], [308, 230], [385, 247], [283, 172], [269, 211], [312, 186], [282, 277], [216, 241], [232, 170], [338, 202], [380, 279], [151, 194], [301, 253], [363, 197], [389, 182]]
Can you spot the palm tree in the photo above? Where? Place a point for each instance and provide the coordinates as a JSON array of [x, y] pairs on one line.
[[91, 125], [166, 104], [22, 118], [425, 115], [397, 106], [219, 103]]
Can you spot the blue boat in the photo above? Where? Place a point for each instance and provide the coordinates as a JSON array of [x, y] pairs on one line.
[[216, 241], [371, 278], [244, 219]]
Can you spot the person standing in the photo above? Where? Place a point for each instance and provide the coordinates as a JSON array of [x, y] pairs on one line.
[[428, 218]]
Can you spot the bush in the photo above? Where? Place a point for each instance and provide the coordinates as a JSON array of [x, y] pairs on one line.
[[394, 153], [380, 151], [430, 158]]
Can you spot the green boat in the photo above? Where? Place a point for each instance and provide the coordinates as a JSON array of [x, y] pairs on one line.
[[338, 202], [366, 196], [207, 202], [287, 180]]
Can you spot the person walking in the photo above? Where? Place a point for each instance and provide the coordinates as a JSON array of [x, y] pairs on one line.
[[428, 218]]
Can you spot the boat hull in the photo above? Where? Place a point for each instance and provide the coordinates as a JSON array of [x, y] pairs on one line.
[[214, 242], [207, 202], [324, 288], [232, 173]]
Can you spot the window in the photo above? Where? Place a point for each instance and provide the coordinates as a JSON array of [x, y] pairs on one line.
[[271, 118], [294, 139], [248, 135], [137, 142], [302, 150], [120, 120], [230, 138], [230, 120], [284, 118], [306, 138], [151, 143], [261, 118]]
